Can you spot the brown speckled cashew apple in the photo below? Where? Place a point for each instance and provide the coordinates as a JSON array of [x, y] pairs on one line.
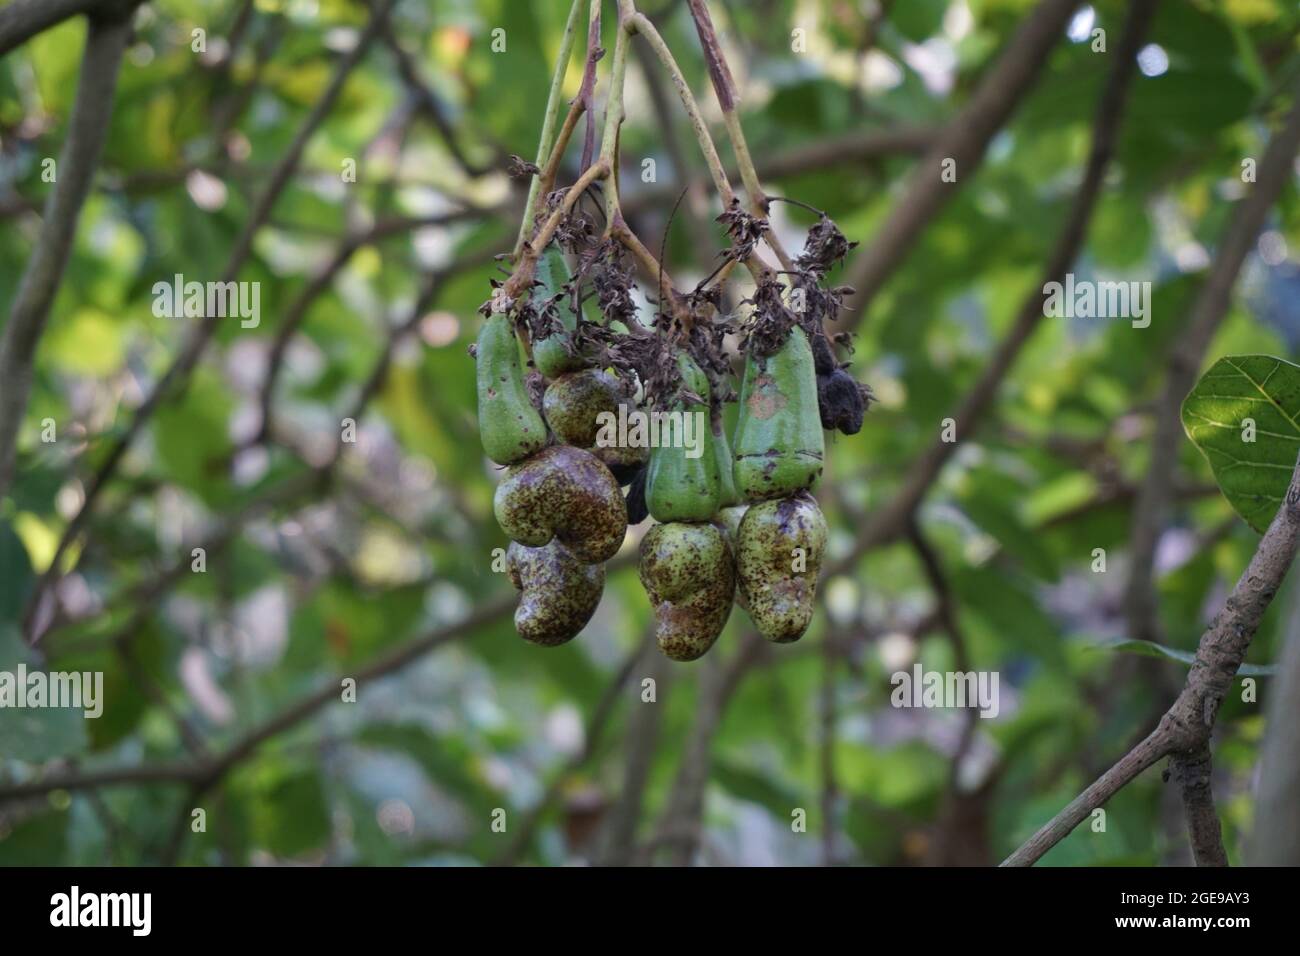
[[779, 552], [565, 493], [558, 593], [687, 571], [687, 567], [779, 451], [573, 404]]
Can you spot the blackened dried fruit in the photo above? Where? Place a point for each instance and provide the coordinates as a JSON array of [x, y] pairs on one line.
[[626, 474], [840, 402]]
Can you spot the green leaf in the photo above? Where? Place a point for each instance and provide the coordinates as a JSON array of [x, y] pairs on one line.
[[15, 573], [1236, 391], [998, 603], [40, 840], [35, 734], [918, 19], [447, 761], [290, 812], [1152, 649], [192, 439], [759, 787], [987, 503]]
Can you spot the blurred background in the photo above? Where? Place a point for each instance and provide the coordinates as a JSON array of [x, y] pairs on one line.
[[224, 687]]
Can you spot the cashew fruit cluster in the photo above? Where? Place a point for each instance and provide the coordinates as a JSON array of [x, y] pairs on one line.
[[734, 521], [779, 452], [558, 502], [687, 566]]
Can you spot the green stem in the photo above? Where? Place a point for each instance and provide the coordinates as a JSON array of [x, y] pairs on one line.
[[647, 29], [749, 176], [614, 112], [547, 142], [521, 279], [642, 25], [729, 100]]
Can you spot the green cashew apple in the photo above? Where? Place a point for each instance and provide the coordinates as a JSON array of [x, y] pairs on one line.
[[779, 444], [779, 551], [509, 425], [687, 570], [554, 355], [558, 593], [565, 493], [728, 496], [680, 487], [574, 406]]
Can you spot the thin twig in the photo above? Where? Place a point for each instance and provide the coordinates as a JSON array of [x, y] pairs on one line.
[[889, 522], [828, 733], [593, 733], [291, 488], [206, 774], [639, 745], [679, 827], [92, 110], [297, 311], [547, 140], [1194, 771], [641, 24], [615, 113], [551, 170], [209, 773], [431, 107], [729, 100], [521, 280], [586, 99], [1276, 839], [653, 268], [1186, 727], [964, 141], [202, 333], [190, 736], [945, 600], [849, 150], [700, 231]]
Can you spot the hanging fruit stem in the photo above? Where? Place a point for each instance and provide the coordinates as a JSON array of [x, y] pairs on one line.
[[547, 142]]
